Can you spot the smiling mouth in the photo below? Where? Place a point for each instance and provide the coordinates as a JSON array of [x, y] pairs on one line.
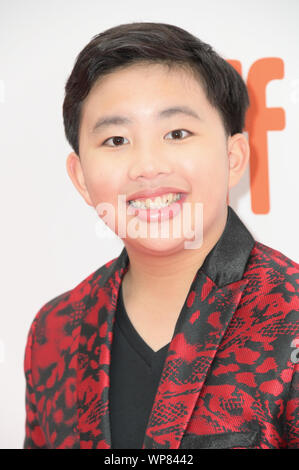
[[158, 202], [157, 213]]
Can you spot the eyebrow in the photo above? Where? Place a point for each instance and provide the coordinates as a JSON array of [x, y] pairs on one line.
[[106, 121]]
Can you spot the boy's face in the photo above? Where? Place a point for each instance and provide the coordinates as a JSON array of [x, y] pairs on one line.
[[199, 159]]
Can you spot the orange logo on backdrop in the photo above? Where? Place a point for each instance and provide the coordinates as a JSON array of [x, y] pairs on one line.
[[259, 120]]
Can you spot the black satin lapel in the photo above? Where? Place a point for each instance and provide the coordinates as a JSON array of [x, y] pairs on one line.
[[227, 261]]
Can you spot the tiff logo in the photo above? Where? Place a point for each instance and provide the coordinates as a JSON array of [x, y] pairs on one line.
[[259, 120]]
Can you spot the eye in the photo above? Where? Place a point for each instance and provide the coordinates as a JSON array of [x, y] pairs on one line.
[[116, 139], [178, 133]]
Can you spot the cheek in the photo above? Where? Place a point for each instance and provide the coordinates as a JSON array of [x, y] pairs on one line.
[[101, 186], [217, 173], [207, 170]]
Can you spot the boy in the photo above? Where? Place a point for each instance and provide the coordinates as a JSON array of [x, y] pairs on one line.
[[185, 340]]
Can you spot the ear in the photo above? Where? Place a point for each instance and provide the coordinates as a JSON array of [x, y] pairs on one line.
[[75, 172], [238, 157]]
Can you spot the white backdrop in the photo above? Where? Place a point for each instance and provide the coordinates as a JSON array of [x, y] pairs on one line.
[[48, 233]]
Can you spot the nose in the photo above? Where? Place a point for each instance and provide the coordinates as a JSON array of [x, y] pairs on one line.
[[148, 162]]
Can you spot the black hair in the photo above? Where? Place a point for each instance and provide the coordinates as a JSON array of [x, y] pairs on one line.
[[146, 42]]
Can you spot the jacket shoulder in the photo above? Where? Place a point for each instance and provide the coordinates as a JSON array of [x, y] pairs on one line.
[[273, 281], [66, 309], [266, 257]]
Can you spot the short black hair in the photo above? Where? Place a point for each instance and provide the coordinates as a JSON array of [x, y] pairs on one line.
[[147, 42]]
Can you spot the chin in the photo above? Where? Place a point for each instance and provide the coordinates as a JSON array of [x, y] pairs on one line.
[[158, 246]]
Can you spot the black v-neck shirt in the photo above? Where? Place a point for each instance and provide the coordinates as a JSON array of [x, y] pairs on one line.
[[135, 372]]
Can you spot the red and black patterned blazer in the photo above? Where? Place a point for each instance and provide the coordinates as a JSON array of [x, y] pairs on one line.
[[230, 378]]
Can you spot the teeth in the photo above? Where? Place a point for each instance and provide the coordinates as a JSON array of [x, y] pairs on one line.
[[158, 202]]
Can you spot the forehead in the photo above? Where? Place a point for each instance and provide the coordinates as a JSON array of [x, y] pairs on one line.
[[143, 91], [151, 77]]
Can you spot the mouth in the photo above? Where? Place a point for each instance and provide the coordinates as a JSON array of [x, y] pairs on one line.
[[157, 209], [156, 202]]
